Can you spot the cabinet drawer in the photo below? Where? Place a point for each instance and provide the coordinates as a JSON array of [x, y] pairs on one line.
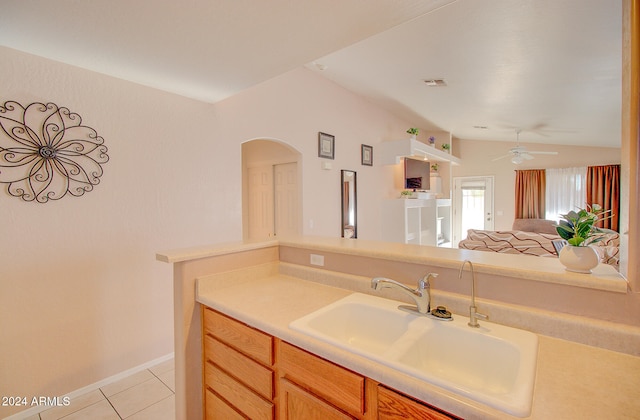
[[339, 386], [395, 406], [238, 396], [249, 341], [252, 374], [216, 408], [298, 404]]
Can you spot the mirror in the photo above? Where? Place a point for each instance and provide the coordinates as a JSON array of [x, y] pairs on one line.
[[349, 204], [345, 65]]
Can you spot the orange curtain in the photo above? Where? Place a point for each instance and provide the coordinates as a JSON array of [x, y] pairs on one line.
[[603, 188], [530, 190]]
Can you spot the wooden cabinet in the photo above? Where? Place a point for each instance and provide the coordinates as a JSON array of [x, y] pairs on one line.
[[217, 408], [297, 403], [250, 374], [337, 388], [238, 369], [395, 406], [249, 341]]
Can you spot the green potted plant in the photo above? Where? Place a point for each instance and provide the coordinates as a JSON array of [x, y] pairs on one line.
[[446, 147], [579, 229], [406, 194], [413, 131]]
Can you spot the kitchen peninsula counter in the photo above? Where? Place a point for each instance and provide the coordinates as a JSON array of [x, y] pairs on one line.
[[573, 380], [269, 284]]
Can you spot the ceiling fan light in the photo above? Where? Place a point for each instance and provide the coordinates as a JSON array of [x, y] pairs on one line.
[[435, 82], [517, 159]]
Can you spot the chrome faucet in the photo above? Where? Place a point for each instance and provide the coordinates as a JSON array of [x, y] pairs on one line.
[[473, 314], [421, 295]]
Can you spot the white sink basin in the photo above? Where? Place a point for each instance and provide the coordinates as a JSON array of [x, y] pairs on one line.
[[492, 364], [361, 323]]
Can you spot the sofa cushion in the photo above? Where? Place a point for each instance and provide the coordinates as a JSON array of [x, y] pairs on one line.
[[510, 242], [535, 225]]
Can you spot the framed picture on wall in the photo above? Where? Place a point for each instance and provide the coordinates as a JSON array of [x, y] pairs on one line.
[[367, 155], [326, 144]]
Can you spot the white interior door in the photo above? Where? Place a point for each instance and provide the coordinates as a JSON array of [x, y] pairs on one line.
[[286, 199], [261, 203], [472, 205]]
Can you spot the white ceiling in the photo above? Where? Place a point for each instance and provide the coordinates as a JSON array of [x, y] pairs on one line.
[[551, 68]]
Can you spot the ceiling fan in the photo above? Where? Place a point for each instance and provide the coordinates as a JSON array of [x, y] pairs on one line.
[[519, 153]]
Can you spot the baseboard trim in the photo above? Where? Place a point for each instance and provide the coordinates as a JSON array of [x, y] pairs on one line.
[[96, 385]]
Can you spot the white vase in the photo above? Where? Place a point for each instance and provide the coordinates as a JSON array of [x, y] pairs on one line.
[[579, 259]]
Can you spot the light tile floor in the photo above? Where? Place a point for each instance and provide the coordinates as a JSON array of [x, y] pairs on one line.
[[146, 395]]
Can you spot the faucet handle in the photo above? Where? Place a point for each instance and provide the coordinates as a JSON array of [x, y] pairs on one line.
[[482, 316], [424, 282], [474, 316]]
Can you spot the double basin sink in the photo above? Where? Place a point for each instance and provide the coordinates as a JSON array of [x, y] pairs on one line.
[[493, 364]]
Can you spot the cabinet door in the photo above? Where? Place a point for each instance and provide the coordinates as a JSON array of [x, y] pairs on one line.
[[297, 404], [394, 406], [216, 408], [333, 383]]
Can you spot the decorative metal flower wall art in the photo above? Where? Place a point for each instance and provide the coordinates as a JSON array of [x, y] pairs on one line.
[[46, 152]]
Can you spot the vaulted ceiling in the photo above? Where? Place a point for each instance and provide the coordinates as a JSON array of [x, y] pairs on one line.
[[547, 67]]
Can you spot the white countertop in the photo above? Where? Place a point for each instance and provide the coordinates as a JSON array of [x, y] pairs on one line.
[[573, 380], [548, 270]]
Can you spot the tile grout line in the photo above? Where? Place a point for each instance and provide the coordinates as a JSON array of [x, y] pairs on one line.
[[111, 404], [132, 414], [163, 383], [142, 409]]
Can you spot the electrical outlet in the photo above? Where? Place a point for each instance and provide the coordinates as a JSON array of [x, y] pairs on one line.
[[317, 260]]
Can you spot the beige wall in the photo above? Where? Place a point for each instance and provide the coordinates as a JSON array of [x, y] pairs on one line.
[[81, 294]]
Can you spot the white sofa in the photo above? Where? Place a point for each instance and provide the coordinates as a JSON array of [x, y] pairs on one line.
[[533, 243]]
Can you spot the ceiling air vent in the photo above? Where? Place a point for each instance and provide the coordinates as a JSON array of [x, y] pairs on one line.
[[435, 82]]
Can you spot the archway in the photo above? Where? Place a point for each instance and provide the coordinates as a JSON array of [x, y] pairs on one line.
[[272, 189]]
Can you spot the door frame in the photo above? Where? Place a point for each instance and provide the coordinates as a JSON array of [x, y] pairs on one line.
[[456, 203]]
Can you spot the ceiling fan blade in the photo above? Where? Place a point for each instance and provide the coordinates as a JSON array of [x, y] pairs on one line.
[[501, 157], [526, 155], [541, 129], [542, 153]]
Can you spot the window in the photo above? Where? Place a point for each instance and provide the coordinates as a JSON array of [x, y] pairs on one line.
[[565, 191], [473, 206]]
